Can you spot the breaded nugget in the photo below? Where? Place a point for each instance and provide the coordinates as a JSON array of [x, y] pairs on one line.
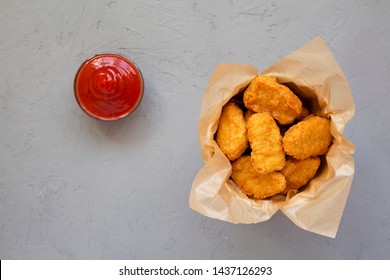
[[265, 94], [253, 183], [231, 134], [248, 114], [305, 112], [266, 143], [299, 172], [310, 137]]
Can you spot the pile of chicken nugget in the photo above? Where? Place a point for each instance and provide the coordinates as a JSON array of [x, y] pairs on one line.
[[273, 141]]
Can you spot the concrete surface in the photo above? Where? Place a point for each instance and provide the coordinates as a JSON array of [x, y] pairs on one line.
[[72, 187]]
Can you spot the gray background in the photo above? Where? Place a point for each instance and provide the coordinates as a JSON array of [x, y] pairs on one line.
[[72, 187]]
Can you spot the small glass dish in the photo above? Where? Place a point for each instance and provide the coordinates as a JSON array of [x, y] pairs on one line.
[[108, 86]]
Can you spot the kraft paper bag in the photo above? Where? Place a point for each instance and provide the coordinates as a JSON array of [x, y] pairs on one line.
[[313, 73]]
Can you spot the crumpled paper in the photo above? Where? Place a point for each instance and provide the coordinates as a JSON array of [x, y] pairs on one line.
[[312, 72]]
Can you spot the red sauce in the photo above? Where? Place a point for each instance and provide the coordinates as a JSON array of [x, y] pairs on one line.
[[108, 86]]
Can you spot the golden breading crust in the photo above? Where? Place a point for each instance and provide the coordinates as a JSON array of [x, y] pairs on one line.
[[265, 94], [231, 134], [253, 183], [310, 137], [305, 112], [299, 172], [248, 114], [266, 143]]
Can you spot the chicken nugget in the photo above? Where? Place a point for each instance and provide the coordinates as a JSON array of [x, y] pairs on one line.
[[299, 172], [231, 134], [310, 137], [265, 94], [253, 183], [248, 114], [266, 143], [305, 112]]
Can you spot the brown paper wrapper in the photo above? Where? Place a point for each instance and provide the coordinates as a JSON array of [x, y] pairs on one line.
[[313, 73]]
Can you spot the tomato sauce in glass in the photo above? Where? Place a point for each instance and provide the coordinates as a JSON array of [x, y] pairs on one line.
[[108, 86]]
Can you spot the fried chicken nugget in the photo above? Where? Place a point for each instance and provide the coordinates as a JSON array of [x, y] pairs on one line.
[[266, 143], [299, 172], [265, 94], [248, 114], [310, 137], [231, 134], [253, 183], [305, 112]]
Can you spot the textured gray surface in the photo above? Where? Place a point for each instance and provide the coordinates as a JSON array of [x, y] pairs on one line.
[[72, 187]]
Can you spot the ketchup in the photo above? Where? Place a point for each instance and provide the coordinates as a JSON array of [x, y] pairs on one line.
[[108, 86]]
